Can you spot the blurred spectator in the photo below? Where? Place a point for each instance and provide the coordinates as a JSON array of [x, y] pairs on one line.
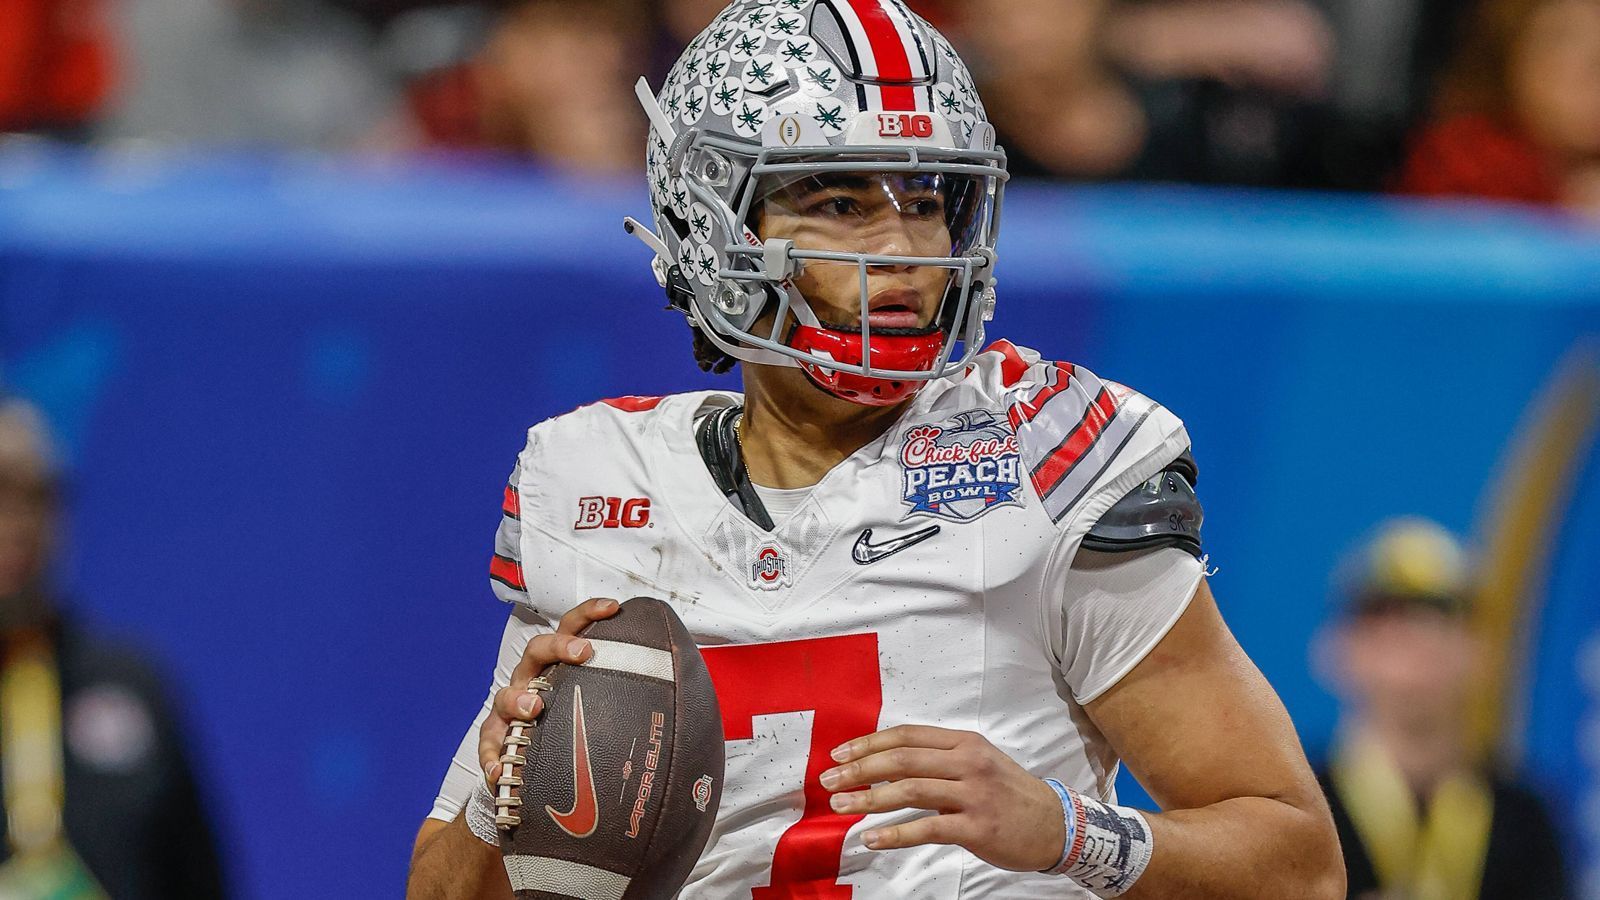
[[1185, 90], [275, 73], [1390, 55], [98, 799], [1419, 818], [1518, 116], [55, 66], [553, 82], [1058, 106], [1282, 46], [683, 20]]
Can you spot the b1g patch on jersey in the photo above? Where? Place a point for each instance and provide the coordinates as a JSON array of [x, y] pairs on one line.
[[961, 468]]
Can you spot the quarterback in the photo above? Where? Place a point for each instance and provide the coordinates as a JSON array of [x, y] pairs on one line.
[[945, 588]]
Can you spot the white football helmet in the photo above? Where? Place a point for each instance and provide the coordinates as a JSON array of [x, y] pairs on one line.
[[779, 92]]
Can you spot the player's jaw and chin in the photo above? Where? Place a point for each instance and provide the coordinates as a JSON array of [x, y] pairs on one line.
[[901, 300]]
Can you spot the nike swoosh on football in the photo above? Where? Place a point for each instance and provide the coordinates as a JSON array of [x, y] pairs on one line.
[[579, 821], [865, 552]]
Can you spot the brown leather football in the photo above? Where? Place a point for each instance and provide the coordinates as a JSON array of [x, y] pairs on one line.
[[612, 794]]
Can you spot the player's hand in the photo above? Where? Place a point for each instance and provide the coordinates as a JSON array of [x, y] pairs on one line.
[[984, 800], [515, 702]]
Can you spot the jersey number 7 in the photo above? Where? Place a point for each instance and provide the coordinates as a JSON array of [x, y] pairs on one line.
[[835, 678]]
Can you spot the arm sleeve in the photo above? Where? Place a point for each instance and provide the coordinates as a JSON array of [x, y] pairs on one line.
[[1115, 608], [459, 780]]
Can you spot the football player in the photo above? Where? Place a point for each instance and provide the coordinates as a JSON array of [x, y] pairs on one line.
[[944, 588]]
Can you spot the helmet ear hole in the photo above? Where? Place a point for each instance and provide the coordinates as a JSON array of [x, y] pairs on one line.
[[679, 226], [680, 293]]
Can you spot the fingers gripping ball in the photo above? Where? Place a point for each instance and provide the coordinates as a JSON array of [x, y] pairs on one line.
[[614, 792], [507, 796]]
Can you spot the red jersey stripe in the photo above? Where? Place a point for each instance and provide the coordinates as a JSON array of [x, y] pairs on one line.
[[1012, 365], [634, 404], [1028, 410], [508, 572], [513, 502], [1061, 462]]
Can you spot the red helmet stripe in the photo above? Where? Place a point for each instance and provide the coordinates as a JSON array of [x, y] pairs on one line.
[[890, 52]]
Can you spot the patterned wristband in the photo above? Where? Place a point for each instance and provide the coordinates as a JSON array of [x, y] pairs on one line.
[[479, 812], [1067, 813], [1107, 847]]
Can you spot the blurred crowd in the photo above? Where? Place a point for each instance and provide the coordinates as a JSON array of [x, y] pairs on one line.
[[1497, 98]]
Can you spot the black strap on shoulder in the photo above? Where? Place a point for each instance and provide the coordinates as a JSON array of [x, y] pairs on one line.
[[1162, 512], [719, 447]]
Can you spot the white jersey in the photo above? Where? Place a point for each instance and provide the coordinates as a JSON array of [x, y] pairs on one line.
[[928, 579]]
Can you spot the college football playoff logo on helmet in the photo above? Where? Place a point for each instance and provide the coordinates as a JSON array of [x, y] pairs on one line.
[[961, 468]]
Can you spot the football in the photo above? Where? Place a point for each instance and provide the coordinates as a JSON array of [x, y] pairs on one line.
[[612, 793]]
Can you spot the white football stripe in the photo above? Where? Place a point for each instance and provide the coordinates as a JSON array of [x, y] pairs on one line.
[[569, 879], [616, 656]]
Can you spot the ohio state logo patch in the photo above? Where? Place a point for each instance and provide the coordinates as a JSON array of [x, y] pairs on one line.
[[770, 570], [702, 793], [961, 468]]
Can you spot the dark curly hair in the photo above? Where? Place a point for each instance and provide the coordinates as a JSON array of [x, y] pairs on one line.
[[709, 356]]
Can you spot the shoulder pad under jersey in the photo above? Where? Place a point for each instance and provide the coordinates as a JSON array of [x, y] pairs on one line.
[[1162, 512]]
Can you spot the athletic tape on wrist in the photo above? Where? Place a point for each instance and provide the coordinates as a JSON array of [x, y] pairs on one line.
[[1107, 847], [480, 815]]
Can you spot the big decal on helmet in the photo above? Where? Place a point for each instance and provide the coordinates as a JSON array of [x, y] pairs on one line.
[[777, 91]]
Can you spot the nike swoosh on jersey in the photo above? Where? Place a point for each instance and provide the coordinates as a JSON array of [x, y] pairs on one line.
[[865, 552], [581, 820]]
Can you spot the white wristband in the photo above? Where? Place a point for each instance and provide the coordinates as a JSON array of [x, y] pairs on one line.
[[479, 813], [1107, 847]]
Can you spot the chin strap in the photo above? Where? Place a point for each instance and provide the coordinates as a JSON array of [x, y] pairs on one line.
[[646, 237], [680, 295], [653, 111]]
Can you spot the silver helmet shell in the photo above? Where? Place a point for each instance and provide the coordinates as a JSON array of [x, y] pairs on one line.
[[796, 88]]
